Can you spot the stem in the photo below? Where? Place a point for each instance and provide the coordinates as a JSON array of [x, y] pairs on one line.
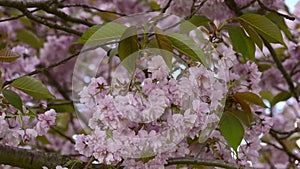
[[197, 9], [17, 17], [282, 69], [41, 70], [89, 163], [284, 148], [49, 24], [263, 6], [63, 135], [166, 7], [59, 88], [65, 17], [88, 7]]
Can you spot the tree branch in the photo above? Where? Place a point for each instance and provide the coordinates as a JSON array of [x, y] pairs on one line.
[[31, 159], [88, 7], [49, 24], [233, 6], [41, 70], [204, 162], [24, 4], [263, 6], [53, 10], [284, 148], [282, 69], [196, 10], [17, 17], [164, 9]]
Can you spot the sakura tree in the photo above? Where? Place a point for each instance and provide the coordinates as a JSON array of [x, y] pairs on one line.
[[149, 84]]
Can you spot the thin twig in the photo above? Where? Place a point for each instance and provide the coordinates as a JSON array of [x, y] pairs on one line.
[[63, 135], [263, 6], [164, 9], [89, 7], [233, 6], [49, 24], [41, 70], [89, 162], [286, 134], [17, 17], [197, 9], [282, 69], [284, 148], [65, 17], [58, 87]]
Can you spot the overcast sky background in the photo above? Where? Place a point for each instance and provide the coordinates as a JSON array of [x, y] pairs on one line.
[[290, 4]]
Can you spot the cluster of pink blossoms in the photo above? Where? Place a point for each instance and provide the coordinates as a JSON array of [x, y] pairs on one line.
[[12, 132], [148, 116]]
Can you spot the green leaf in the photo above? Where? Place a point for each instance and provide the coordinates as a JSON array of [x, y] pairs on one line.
[[99, 34], [283, 96], [154, 6], [267, 95], [87, 34], [61, 106], [31, 114], [128, 47], [245, 106], [43, 140], [30, 38], [250, 98], [128, 43], [165, 44], [264, 67], [33, 87], [6, 55], [62, 123], [153, 44], [279, 21], [2, 44], [242, 116], [264, 27], [232, 130], [253, 35], [241, 42], [193, 23], [187, 46], [199, 20], [13, 98]]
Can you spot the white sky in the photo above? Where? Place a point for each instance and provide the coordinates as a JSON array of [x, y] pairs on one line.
[[290, 4]]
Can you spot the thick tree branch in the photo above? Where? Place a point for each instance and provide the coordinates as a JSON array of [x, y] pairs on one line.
[[24, 3], [30, 159], [204, 162]]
